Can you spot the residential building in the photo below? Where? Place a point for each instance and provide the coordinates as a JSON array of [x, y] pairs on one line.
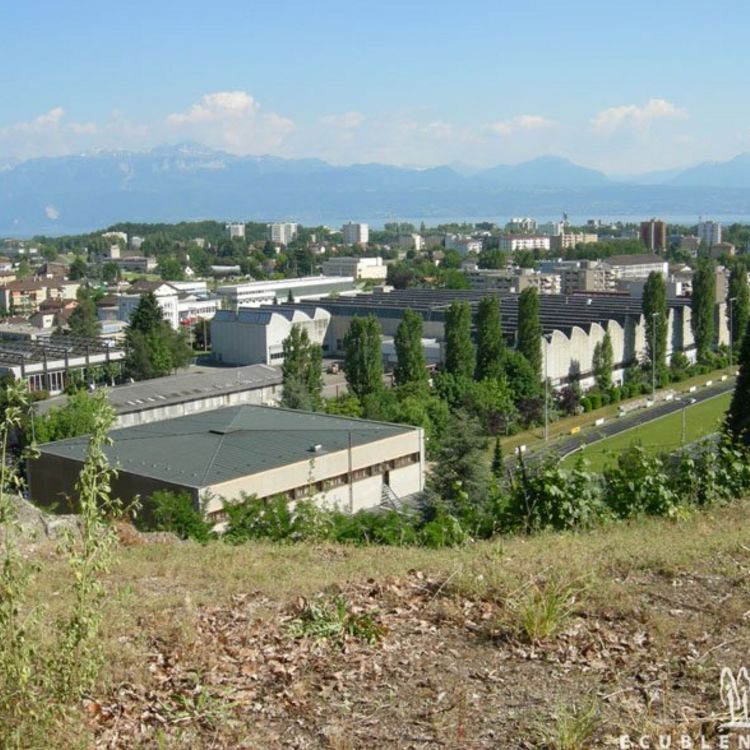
[[192, 308], [23, 297], [257, 293], [359, 268], [166, 296], [508, 281], [355, 234], [521, 225], [636, 266], [722, 248], [551, 228], [256, 336], [463, 243], [137, 264], [512, 242], [654, 234], [235, 231], [411, 242], [571, 239], [585, 276], [281, 232], [225, 455], [709, 233]]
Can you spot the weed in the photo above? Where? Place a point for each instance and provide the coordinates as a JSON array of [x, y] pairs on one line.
[[333, 620], [573, 727], [543, 610]]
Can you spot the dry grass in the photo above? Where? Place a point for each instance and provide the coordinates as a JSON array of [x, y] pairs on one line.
[[657, 586]]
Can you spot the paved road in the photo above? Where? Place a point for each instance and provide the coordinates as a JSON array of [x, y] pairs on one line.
[[570, 443]]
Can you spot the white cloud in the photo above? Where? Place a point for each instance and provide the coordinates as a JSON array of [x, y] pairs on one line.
[[635, 117], [519, 122], [233, 120], [346, 120], [52, 212]]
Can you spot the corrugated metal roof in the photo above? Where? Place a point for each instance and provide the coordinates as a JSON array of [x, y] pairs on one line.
[[224, 444]]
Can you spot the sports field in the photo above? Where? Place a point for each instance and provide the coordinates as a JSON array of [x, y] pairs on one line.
[[665, 434]]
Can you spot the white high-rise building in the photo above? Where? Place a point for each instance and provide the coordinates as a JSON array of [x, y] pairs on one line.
[[235, 231], [709, 232], [282, 232], [521, 225], [356, 234]]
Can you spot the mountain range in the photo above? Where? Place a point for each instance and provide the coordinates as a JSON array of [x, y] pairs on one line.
[[188, 181]]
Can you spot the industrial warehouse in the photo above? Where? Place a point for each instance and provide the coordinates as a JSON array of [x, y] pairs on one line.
[[225, 454], [572, 325]]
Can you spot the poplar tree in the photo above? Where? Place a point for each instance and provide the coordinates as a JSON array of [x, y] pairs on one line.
[[738, 416], [490, 344], [301, 371], [654, 307], [363, 359], [459, 349], [603, 363], [410, 366], [740, 294], [702, 306], [530, 329]]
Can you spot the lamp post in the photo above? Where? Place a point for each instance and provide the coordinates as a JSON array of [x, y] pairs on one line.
[[653, 355], [546, 390], [731, 332]]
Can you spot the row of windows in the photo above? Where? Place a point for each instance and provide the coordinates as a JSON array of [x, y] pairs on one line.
[[325, 485]]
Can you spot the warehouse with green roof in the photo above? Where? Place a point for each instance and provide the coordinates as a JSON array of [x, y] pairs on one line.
[[226, 453]]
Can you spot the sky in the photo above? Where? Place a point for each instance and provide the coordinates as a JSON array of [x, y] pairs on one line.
[[625, 87]]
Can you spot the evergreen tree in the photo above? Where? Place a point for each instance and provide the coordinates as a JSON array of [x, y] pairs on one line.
[[603, 363], [301, 371], [738, 416], [654, 307], [410, 367], [363, 359], [740, 293], [497, 459], [530, 329], [83, 320], [152, 348], [702, 306], [459, 349], [490, 344]]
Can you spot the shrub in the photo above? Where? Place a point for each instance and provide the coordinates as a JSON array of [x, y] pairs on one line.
[[175, 512]]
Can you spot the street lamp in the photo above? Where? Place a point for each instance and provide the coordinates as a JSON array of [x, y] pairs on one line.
[[653, 355], [685, 404], [546, 390], [731, 332]]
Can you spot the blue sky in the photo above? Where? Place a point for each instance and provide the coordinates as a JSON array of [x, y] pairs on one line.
[[624, 87]]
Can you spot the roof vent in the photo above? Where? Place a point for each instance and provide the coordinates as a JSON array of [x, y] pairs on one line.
[[315, 448]]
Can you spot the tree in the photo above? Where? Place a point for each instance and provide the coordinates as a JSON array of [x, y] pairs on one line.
[[110, 272], [738, 416], [497, 465], [170, 269], [410, 366], [654, 307], [77, 417], [301, 371], [363, 359], [490, 344], [530, 329], [83, 321], [78, 269], [740, 293], [459, 349], [491, 402], [702, 307], [152, 348], [24, 269], [603, 362]]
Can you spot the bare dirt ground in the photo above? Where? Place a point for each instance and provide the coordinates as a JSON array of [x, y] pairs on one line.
[[559, 641]]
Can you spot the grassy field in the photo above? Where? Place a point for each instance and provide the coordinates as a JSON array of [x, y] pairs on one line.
[[663, 434], [534, 438], [517, 643]]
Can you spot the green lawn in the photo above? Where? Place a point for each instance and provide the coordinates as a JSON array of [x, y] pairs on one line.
[[663, 434]]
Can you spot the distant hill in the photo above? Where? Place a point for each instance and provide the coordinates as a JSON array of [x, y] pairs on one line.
[[189, 181], [733, 173]]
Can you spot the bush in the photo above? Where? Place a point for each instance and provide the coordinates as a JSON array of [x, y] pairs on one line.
[[586, 404], [595, 400], [615, 394], [175, 512]]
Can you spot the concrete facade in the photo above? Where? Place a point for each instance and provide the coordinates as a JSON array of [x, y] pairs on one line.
[[251, 336]]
